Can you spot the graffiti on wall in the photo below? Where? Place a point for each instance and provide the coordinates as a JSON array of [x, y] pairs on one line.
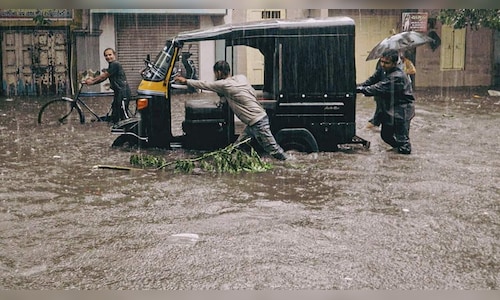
[[56, 14]]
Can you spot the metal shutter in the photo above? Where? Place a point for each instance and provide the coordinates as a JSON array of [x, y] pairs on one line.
[[139, 35]]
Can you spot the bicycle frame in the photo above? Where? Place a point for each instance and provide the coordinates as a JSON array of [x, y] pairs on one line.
[[79, 101], [65, 108]]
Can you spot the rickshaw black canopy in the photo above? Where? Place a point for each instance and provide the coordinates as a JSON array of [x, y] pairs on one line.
[[307, 58], [270, 28]]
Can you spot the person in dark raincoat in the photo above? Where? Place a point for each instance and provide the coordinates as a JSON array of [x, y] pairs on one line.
[[397, 107]]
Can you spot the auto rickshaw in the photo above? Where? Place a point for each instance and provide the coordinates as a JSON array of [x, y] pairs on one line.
[[308, 89]]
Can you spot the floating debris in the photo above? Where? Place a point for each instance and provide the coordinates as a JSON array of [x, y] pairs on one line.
[[494, 93], [226, 160], [184, 239], [120, 168]]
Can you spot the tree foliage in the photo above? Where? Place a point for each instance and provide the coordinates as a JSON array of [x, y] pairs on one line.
[[472, 18], [40, 20]]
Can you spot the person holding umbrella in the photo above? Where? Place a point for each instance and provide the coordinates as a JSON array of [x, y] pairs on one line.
[[405, 64], [401, 42], [396, 101]]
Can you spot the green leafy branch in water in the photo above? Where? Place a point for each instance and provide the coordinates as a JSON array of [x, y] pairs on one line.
[[226, 160]]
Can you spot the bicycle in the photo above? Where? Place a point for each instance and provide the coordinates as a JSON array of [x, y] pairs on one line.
[[67, 110]]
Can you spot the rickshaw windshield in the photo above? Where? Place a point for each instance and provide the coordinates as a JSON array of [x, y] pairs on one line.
[[157, 70]]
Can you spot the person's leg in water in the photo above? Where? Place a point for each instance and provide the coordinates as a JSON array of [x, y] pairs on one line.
[[263, 135], [124, 112], [397, 135], [127, 94], [119, 108], [261, 131], [403, 116], [387, 134], [375, 120], [116, 109]]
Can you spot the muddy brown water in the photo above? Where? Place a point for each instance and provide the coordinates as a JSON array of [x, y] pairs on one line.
[[351, 219]]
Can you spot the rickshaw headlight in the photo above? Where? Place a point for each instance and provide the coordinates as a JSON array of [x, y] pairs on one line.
[[142, 103]]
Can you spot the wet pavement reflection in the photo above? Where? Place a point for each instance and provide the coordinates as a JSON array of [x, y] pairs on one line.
[[352, 219]]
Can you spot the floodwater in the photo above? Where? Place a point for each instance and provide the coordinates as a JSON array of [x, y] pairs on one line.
[[352, 219]]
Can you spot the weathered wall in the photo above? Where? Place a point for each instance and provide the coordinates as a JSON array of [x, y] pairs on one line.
[[478, 68], [373, 25]]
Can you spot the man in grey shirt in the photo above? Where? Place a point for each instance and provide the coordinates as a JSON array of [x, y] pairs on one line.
[[241, 97]]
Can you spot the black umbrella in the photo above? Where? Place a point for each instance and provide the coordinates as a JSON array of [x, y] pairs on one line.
[[400, 41]]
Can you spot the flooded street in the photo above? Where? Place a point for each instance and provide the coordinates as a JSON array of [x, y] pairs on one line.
[[352, 219]]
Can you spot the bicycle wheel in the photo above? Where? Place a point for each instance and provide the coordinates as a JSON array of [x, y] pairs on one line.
[[61, 111]]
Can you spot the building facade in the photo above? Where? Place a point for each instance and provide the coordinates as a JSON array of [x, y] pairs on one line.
[[45, 50], [35, 48]]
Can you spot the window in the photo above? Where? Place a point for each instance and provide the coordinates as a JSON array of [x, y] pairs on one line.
[[271, 14], [452, 48], [329, 59]]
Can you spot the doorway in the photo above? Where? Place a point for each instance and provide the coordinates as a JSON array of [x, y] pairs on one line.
[[35, 62]]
